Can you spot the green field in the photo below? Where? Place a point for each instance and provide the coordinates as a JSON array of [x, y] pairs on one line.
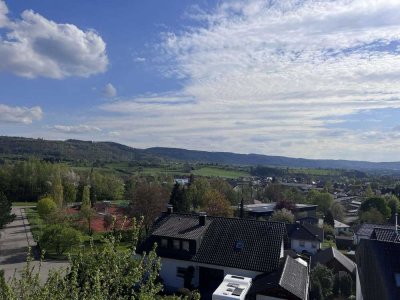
[[219, 172]]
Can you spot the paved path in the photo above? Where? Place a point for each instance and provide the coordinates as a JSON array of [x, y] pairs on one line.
[[15, 239]]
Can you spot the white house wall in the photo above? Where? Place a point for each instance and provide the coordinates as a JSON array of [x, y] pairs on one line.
[[295, 245], [172, 282]]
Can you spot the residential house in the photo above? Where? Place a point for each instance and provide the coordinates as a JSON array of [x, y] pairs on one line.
[[378, 262], [334, 260], [199, 250], [304, 238], [365, 230], [341, 228]]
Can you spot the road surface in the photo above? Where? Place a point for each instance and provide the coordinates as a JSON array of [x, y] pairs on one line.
[[15, 239]]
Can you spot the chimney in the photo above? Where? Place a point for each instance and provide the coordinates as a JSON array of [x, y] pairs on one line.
[[170, 209], [202, 218], [242, 208]]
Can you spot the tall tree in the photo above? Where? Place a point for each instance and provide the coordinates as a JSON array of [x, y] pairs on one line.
[[57, 190], [338, 211], [328, 219], [5, 210], [283, 215], [215, 204], [377, 203], [178, 199]]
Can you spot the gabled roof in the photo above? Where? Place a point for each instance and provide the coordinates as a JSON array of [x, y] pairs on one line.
[[325, 256], [385, 235], [238, 243], [378, 264], [339, 224], [366, 229], [181, 226], [305, 232], [261, 244], [293, 277]]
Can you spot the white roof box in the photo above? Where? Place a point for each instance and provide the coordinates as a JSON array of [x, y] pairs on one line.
[[233, 287]]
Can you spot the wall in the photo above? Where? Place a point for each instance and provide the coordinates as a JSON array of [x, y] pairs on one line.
[[295, 245], [172, 282]]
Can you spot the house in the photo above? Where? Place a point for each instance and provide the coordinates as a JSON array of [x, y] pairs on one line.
[[266, 210], [291, 281], [199, 251], [341, 228], [334, 260], [304, 238], [365, 230], [378, 263]]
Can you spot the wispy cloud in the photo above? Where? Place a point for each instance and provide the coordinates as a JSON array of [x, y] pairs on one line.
[[75, 129], [35, 46], [18, 114], [109, 91]]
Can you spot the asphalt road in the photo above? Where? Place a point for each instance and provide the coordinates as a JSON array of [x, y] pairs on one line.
[[15, 239]]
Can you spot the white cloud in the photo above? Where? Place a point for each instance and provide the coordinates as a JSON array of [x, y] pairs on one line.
[[18, 114], [109, 91], [139, 59], [35, 46], [75, 129]]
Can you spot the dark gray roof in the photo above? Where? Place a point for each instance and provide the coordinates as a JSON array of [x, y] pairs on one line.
[[329, 254], [181, 226], [305, 231], [262, 242], [366, 229], [293, 277], [378, 263], [386, 235]]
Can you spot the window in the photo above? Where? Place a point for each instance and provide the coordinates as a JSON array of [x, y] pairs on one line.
[[164, 243], [180, 272], [239, 245], [185, 245], [176, 244], [301, 243], [314, 245], [397, 278]]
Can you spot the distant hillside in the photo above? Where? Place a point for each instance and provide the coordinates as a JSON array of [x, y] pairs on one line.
[[76, 150], [70, 150], [258, 159]]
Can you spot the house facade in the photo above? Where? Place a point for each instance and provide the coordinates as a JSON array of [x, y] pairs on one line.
[[304, 237]]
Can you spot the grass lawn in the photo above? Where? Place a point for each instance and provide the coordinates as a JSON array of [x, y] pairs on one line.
[[219, 172], [24, 203]]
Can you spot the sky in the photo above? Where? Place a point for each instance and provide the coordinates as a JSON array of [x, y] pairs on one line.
[[299, 78]]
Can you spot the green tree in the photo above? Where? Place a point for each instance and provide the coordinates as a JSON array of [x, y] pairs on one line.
[[282, 215], [325, 277], [102, 273], [368, 192], [5, 210], [323, 200], [372, 216], [196, 192], [59, 238], [377, 203], [178, 199], [215, 204], [45, 207], [328, 219], [58, 190], [86, 197], [338, 211]]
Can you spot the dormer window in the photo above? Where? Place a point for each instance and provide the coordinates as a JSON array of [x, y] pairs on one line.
[[164, 243], [176, 244], [185, 245]]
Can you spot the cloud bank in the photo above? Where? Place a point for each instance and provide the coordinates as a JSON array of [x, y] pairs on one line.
[[17, 114], [34, 46]]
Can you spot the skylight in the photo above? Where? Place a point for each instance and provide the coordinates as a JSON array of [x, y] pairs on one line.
[[239, 245]]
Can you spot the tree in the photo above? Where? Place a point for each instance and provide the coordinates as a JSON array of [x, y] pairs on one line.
[[342, 285], [325, 277], [178, 199], [45, 207], [215, 204], [58, 191], [328, 219], [377, 203], [338, 211], [149, 201], [288, 204], [5, 210], [86, 211], [59, 238], [86, 197], [316, 291], [196, 191], [102, 273], [372, 216], [368, 191], [282, 215]]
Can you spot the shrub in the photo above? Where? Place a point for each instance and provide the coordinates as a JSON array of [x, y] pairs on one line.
[[59, 238], [45, 207]]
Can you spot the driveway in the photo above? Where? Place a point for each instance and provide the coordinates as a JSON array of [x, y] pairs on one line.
[[15, 239]]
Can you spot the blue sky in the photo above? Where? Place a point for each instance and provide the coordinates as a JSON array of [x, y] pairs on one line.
[[314, 79]]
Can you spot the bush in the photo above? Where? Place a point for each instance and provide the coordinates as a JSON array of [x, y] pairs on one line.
[[45, 207], [59, 238]]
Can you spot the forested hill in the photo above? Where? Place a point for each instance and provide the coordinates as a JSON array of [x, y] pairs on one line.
[[76, 150], [258, 159], [70, 150]]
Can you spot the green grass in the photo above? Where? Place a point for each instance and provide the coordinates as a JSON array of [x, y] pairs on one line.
[[219, 172], [24, 203], [328, 244]]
